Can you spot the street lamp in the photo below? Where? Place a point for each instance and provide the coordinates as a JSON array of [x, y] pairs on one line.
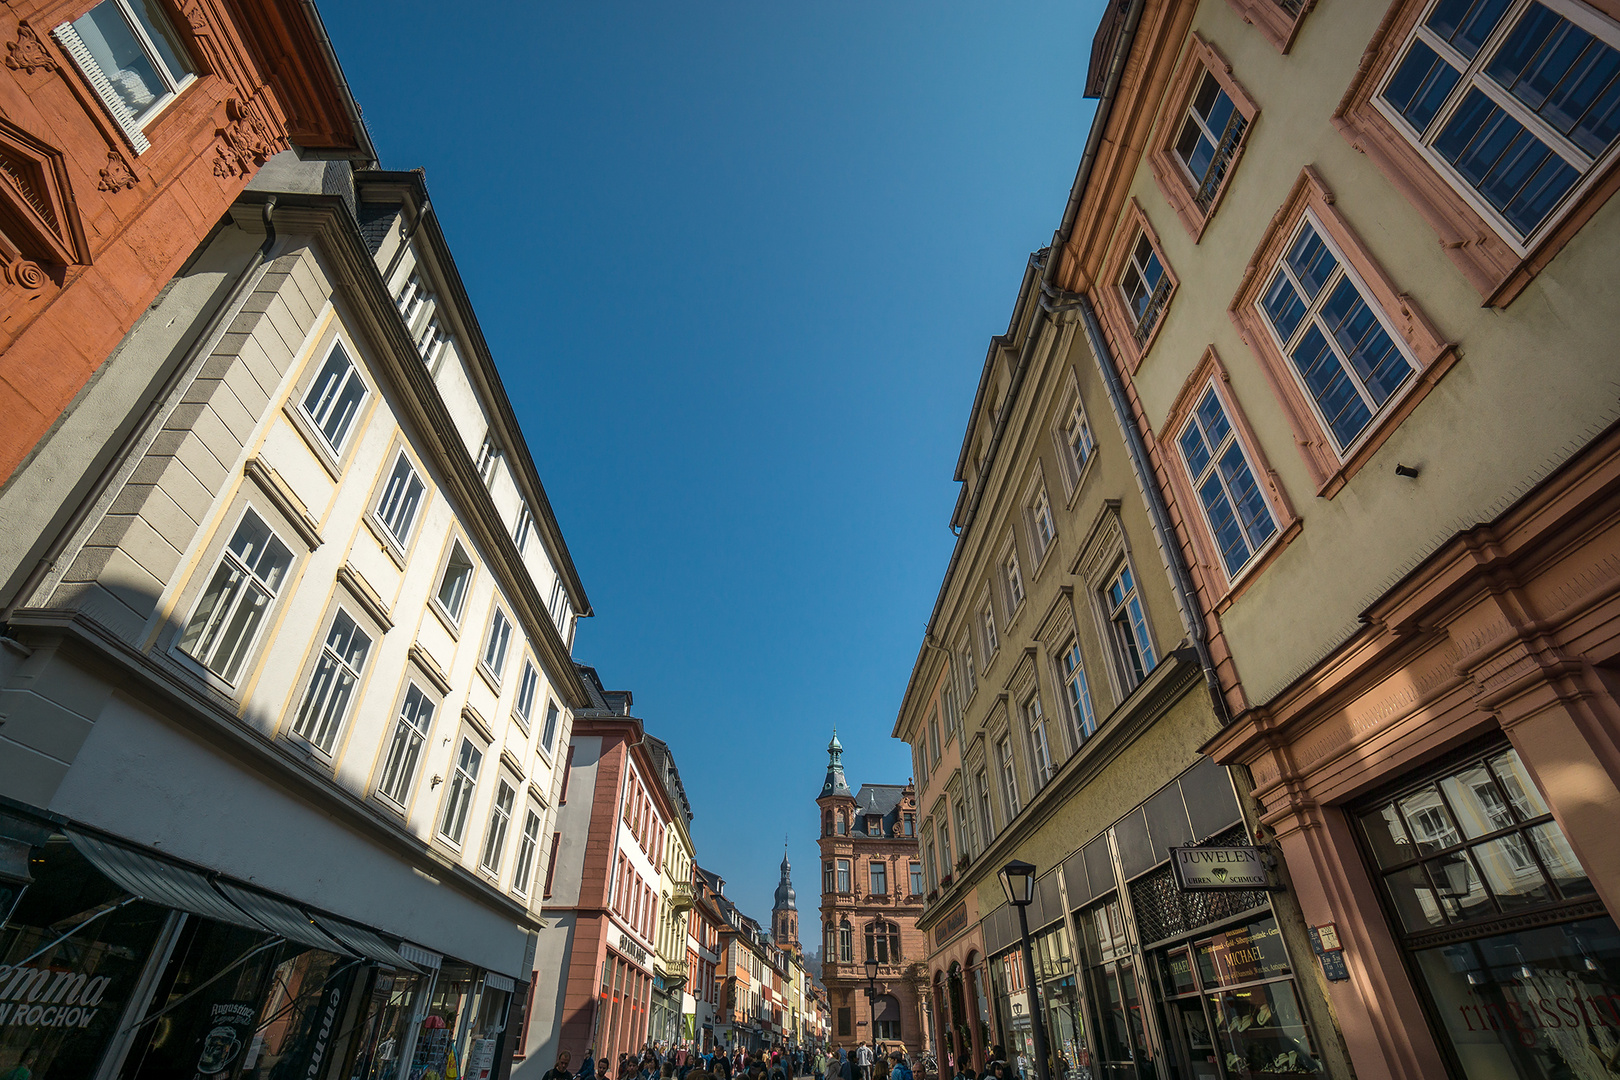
[[871, 994], [1018, 882]]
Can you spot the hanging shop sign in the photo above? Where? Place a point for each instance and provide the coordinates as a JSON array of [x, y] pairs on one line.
[[1199, 868]]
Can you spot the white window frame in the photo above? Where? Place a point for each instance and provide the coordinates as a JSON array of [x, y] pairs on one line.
[[1473, 76], [489, 460], [1042, 764], [1071, 430], [459, 793], [1145, 648], [133, 126], [1134, 265], [403, 755], [548, 731], [325, 704], [528, 689], [970, 677], [989, 636], [500, 820], [1007, 764], [333, 389], [458, 596], [524, 527], [1040, 521], [1082, 716], [497, 644], [1313, 308], [1014, 591], [223, 615], [528, 850], [395, 511], [986, 808]]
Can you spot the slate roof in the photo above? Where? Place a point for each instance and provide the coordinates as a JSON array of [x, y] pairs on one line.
[[375, 221]]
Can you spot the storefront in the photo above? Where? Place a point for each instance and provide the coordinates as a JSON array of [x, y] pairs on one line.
[[118, 962], [623, 1003], [1137, 977]]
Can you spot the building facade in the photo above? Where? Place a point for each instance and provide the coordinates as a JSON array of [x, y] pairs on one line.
[[130, 129], [595, 960], [870, 901], [287, 702], [671, 999], [1318, 247]]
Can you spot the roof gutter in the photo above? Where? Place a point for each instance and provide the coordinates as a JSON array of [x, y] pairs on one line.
[[329, 54]]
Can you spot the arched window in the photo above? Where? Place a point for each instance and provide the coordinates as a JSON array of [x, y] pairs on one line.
[[841, 826], [832, 942], [846, 943], [886, 1018], [826, 823], [883, 942]]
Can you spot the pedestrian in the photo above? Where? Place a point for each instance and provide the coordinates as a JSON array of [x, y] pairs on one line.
[[846, 1065], [560, 1070], [880, 1069], [863, 1058], [900, 1070]]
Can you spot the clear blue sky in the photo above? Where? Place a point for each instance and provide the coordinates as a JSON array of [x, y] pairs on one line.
[[739, 264]]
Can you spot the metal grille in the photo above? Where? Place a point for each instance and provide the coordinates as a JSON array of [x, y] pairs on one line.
[[1293, 7], [1164, 911], [1150, 314], [1222, 161]]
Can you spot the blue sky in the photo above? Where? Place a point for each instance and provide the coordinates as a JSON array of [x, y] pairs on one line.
[[739, 265]]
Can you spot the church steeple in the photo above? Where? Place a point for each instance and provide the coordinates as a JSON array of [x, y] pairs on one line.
[[785, 912], [835, 784]]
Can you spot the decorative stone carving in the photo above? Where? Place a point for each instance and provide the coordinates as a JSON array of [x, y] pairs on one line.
[[39, 223], [245, 142], [117, 176], [26, 274], [28, 53]]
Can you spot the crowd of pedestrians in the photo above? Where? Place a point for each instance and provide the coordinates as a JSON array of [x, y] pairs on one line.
[[678, 1061]]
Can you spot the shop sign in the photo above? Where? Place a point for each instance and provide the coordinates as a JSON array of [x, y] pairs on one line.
[[46, 997], [630, 949], [954, 922], [1243, 954], [1221, 867]]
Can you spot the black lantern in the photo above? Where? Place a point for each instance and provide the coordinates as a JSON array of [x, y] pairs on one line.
[[1018, 882]]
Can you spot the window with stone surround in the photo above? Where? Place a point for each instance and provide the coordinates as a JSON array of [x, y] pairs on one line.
[[132, 58], [1143, 283], [1205, 129], [1497, 119], [1243, 510], [1346, 353], [1277, 20]]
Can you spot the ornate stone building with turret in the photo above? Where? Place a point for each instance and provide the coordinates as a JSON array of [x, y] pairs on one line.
[[871, 896]]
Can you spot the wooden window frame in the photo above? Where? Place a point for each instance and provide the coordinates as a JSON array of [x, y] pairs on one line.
[[1168, 172], [1116, 317], [1211, 371], [1431, 352], [1274, 24], [1481, 255]]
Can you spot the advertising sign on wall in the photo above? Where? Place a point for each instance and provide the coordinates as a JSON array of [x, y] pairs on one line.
[[1221, 867]]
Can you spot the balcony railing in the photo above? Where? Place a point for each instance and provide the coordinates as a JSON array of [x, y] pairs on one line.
[[680, 896]]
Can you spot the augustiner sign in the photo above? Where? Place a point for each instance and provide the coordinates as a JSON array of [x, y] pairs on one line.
[[1221, 867]]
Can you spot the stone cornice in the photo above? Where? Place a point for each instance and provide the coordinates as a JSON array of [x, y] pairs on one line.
[[213, 718]]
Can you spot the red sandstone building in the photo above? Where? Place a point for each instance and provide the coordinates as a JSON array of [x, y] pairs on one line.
[[594, 960], [871, 896], [129, 128]]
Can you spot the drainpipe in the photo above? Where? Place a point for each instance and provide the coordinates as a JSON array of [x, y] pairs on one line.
[[1164, 537], [240, 290]]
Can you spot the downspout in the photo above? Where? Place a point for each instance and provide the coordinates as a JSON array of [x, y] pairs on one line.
[[92, 497], [1158, 512]]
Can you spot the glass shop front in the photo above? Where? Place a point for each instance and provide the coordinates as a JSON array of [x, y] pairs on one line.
[[1502, 928], [117, 963], [1143, 980]]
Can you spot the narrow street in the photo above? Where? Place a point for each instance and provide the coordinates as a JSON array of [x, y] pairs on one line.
[[1215, 678]]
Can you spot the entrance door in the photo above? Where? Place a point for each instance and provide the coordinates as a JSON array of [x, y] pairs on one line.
[[1122, 1048]]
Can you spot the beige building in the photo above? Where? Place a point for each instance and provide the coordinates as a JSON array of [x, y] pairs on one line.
[[1354, 264], [295, 684]]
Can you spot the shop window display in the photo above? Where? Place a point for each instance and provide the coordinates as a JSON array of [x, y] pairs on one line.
[[387, 1027], [71, 956], [1519, 960]]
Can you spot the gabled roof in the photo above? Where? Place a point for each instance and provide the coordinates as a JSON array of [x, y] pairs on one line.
[[879, 798]]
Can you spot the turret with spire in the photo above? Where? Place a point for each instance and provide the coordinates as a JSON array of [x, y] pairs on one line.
[[835, 784], [785, 912]]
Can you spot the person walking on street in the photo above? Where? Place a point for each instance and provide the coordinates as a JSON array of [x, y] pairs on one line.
[[863, 1058], [900, 1070], [560, 1071]]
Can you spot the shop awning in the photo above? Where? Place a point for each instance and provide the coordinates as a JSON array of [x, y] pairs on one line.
[[159, 882], [288, 920], [364, 942]]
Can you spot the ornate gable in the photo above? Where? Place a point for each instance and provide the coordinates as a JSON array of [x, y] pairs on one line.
[[39, 220]]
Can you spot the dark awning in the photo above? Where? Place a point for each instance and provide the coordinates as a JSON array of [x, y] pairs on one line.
[[288, 920], [160, 882], [364, 942]]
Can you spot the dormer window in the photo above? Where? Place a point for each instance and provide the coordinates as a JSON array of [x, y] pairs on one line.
[[874, 825]]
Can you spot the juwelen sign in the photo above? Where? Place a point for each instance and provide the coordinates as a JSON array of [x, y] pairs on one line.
[[1221, 867]]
